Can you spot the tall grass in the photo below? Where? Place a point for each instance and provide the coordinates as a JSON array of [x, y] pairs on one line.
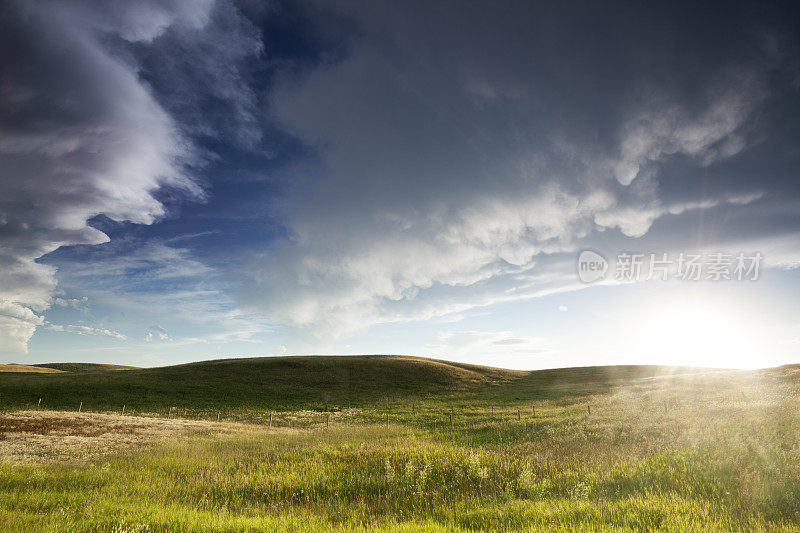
[[719, 453]]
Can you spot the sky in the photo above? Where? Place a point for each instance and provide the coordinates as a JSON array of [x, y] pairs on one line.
[[516, 184]]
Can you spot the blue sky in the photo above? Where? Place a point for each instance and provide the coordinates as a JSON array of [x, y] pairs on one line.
[[190, 180]]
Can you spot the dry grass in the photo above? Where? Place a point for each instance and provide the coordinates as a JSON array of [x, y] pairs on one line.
[[11, 367], [705, 450], [58, 436]]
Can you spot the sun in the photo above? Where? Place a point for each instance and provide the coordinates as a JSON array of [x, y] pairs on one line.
[[699, 334]]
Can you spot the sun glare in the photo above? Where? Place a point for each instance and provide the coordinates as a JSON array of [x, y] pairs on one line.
[[698, 334]]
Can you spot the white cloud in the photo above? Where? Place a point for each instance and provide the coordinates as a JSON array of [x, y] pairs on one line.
[[636, 221], [716, 132], [80, 135], [501, 347], [457, 166], [85, 330], [80, 304], [443, 186], [356, 281], [151, 282], [157, 332], [17, 324]]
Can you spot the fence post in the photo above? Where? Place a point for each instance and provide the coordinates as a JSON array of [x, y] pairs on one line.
[[387, 420], [80, 407], [519, 416], [40, 403], [270, 420], [123, 410], [589, 409], [451, 420], [327, 421]]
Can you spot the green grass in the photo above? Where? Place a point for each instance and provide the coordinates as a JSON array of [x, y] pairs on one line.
[[243, 386], [239, 385], [686, 452], [83, 367]]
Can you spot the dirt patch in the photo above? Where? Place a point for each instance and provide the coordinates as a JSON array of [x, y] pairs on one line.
[[43, 436], [51, 425]]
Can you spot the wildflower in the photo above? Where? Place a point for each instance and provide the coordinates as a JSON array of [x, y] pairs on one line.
[[389, 470], [409, 470], [476, 469], [527, 479]]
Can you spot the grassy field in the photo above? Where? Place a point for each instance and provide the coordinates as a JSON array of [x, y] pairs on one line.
[[423, 445], [27, 368]]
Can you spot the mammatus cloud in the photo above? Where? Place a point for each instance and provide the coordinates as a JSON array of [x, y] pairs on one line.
[[635, 221], [718, 131], [452, 167], [81, 133], [451, 164]]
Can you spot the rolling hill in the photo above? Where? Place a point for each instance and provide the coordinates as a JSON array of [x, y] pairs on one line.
[[304, 382], [13, 367], [84, 367]]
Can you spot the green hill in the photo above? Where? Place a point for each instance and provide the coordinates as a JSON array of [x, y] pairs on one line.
[[304, 382], [83, 367]]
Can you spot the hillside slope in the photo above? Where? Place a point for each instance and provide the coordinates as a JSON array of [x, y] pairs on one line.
[[307, 382], [13, 367], [83, 367], [258, 383]]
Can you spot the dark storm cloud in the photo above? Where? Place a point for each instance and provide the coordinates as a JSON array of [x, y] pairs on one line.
[[463, 144], [442, 155], [205, 78], [81, 134]]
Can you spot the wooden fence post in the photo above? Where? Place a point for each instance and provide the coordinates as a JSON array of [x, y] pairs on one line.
[[40, 403], [519, 416], [327, 420], [123, 410], [589, 409], [80, 407], [270, 420], [451, 420]]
